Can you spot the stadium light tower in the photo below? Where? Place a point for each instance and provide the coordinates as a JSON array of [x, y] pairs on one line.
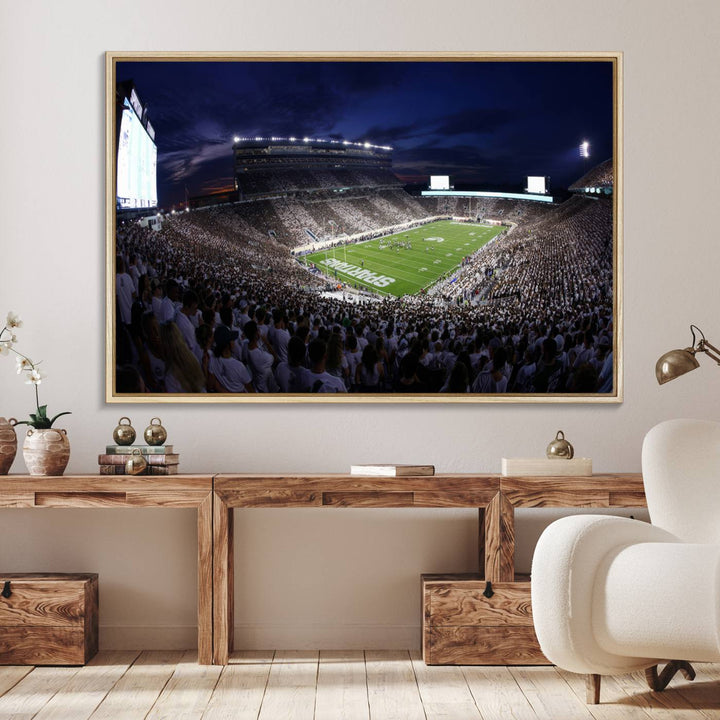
[[585, 154]]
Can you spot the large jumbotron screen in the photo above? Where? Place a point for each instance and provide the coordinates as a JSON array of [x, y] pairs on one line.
[[136, 163]]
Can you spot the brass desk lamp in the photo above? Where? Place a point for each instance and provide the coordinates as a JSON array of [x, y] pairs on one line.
[[677, 362]]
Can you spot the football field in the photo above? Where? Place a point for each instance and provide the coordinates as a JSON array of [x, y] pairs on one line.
[[407, 262]]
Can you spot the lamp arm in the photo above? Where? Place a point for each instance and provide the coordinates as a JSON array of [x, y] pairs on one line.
[[710, 350]]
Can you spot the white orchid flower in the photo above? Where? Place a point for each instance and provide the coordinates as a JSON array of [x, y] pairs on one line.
[[28, 369], [23, 364], [35, 377], [13, 320]]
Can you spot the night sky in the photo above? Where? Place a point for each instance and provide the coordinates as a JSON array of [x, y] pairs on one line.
[[486, 124]]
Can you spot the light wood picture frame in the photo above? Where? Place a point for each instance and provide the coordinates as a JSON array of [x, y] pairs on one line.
[[434, 227]]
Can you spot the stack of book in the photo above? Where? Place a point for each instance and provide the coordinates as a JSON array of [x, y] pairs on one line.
[[160, 459], [392, 470]]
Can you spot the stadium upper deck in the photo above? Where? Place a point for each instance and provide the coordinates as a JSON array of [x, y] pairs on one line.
[[264, 165], [598, 181]]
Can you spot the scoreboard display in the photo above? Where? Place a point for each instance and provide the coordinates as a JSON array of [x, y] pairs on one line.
[[439, 182], [537, 184], [136, 162]]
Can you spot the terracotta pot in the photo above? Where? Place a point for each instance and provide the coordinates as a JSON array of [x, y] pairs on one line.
[[46, 452], [8, 444]]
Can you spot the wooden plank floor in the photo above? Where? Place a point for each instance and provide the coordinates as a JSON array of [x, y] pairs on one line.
[[344, 685]]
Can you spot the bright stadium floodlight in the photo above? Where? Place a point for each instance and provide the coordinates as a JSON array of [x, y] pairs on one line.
[[236, 139], [585, 149]]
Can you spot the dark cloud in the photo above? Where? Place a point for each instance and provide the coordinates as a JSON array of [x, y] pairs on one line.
[[475, 121], [389, 135], [460, 161]]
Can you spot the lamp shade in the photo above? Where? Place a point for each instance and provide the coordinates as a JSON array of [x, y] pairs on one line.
[[675, 363]]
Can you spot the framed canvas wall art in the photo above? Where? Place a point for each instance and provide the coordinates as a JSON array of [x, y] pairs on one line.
[[364, 227]]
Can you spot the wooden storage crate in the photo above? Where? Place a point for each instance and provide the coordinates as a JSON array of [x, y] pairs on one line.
[[461, 626], [48, 618]]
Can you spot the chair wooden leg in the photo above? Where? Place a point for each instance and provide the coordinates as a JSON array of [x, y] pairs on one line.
[[660, 682], [592, 689]]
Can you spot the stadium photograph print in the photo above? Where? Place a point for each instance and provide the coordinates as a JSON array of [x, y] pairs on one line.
[[364, 227]]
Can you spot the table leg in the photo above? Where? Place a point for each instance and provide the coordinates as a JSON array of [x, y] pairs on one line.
[[223, 581], [499, 545], [205, 580], [481, 541]]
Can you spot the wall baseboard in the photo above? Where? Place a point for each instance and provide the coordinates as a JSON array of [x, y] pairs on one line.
[[327, 637], [148, 637], [265, 637]]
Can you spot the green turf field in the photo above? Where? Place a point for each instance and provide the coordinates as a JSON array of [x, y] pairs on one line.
[[437, 249]]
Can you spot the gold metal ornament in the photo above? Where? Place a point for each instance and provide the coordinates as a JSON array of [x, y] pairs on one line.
[[124, 433], [136, 463], [560, 448], [155, 433]]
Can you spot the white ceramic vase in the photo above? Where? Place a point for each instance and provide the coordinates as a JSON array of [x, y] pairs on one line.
[[8, 444], [47, 451]]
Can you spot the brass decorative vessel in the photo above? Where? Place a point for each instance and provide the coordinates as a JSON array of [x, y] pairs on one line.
[[136, 463], [155, 433], [124, 433], [560, 448]]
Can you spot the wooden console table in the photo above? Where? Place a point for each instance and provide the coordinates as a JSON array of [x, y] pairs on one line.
[[215, 498], [126, 491], [495, 497]]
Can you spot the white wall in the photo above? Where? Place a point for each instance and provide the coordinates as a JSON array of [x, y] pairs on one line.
[[330, 578]]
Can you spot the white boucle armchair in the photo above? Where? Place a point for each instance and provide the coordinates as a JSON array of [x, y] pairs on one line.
[[613, 595]]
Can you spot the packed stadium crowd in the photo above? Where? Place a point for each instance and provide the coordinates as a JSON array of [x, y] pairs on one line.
[[330, 214], [325, 215], [314, 203], [600, 176], [289, 179], [507, 210], [565, 254], [215, 303]]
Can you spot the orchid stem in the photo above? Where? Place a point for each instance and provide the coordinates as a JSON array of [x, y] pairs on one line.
[[25, 357]]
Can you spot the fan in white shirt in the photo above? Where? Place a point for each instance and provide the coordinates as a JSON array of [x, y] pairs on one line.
[[320, 380], [259, 360], [230, 373], [184, 318]]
